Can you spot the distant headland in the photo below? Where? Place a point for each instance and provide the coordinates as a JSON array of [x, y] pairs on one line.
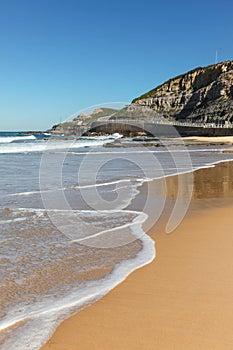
[[197, 102]]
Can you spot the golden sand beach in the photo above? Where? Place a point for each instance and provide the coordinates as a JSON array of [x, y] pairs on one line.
[[183, 299]]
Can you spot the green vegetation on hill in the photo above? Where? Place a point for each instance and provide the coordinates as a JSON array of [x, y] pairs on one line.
[[175, 81], [103, 112]]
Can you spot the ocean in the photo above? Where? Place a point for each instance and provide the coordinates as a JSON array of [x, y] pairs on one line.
[[71, 225]]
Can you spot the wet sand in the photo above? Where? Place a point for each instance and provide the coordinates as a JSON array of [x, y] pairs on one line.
[[183, 299]]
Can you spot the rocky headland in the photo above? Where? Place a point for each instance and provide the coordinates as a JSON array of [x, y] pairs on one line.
[[82, 123], [203, 95]]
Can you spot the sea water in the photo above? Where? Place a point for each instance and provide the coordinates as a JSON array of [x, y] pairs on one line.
[[70, 229]]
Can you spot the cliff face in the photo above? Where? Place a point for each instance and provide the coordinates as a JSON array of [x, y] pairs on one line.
[[201, 95]]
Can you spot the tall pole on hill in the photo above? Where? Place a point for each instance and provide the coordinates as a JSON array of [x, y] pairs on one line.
[[216, 56]]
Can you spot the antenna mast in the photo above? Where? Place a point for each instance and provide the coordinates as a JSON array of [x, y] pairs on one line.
[[216, 57]]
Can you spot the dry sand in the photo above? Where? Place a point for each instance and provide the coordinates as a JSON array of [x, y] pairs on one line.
[[182, 300], [210, 139]]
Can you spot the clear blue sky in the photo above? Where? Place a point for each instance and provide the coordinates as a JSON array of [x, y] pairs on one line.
[[59, 56]]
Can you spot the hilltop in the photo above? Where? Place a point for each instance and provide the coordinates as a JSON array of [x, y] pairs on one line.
[[81, 123]]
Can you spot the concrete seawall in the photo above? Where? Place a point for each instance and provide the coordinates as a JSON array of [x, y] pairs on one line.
[[154, 129]]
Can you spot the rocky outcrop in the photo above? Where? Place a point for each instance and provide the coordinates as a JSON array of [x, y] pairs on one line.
[[201, 95], [69, 128], [81, 124]]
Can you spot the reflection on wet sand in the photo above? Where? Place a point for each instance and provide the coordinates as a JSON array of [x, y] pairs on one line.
[[214, 182], [207, 188]]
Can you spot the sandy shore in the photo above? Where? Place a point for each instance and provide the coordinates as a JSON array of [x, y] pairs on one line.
[[210, 139], [183, 300], [204, 140]]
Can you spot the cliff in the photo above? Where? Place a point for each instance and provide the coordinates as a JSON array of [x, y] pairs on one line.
[[204, 94]]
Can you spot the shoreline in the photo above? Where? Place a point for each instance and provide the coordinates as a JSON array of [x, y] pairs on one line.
[[79, 328]]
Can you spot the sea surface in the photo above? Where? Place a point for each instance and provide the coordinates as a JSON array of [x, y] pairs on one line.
[[71, 225]]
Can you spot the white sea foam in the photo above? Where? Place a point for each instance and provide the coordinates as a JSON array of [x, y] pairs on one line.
[[9, 146], [48, 315], [12, 220], [146, 150], [9, 139], [104, 184]]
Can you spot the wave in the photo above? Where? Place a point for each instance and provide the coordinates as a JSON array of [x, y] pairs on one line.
[[73, 187], [8, 145], [28, 319], [41, 146], [94, 290], [113, 136], [10, 139], [12, 220]]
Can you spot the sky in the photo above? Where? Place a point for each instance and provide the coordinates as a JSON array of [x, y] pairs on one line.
[[58, 57]]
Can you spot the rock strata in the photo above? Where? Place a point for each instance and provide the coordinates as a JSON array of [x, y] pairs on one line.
[[202, 95]]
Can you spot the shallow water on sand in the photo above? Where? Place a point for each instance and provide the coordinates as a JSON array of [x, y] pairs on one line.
[[71, 228]]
